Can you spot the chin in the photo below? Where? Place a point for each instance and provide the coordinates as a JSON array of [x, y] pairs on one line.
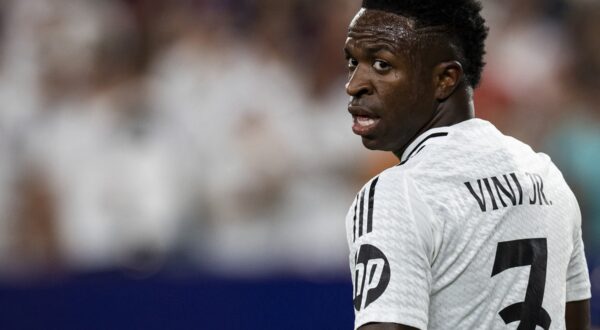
[[372, 144], [378, 145]]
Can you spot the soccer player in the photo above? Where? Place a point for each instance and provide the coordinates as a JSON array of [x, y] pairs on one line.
[[473, 229]]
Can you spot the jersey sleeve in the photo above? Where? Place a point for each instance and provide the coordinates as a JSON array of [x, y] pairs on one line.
[[578, 281], [392, 243]]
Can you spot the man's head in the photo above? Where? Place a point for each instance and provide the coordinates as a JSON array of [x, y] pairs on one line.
[[412, 66]]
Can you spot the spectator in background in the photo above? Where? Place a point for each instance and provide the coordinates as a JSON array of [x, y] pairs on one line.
[[242, 116], [575, 140], [144, 131], [514, 101], [92, 141], [6, 166], [19, 96]]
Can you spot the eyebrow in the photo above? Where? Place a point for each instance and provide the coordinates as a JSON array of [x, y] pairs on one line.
[[379, 46], [375, 46]]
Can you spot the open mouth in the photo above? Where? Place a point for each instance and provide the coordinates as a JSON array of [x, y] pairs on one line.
[[364, 120], [364, 125]]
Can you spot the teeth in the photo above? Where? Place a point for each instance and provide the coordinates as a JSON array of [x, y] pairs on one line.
[[365, 121]]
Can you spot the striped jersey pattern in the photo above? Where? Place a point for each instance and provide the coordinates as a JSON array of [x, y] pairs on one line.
[[364, 224]]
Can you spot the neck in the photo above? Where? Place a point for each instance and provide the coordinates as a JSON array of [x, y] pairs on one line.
[[455, 109]]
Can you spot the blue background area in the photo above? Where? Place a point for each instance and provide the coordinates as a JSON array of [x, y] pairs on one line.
[[116, 301]]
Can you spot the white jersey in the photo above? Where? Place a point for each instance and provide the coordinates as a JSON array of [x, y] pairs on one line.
[[473, 230]]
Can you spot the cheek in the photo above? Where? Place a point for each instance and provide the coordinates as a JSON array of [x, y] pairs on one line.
[[399, 89], [400, 100]]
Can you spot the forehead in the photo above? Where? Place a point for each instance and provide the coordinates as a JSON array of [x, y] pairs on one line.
[[375, 25]]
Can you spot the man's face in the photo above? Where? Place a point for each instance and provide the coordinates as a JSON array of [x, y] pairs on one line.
[[390, 83]]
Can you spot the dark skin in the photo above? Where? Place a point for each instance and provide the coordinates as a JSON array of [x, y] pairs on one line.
[[577, 315], [404, 81], [404, 90]]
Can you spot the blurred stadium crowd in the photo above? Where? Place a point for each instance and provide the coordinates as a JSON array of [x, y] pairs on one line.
[[213, 134]]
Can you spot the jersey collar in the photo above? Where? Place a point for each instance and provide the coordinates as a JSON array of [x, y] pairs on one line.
[[419, 143]]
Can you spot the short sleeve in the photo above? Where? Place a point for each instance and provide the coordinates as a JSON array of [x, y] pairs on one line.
[[391, 247], [578, 281]]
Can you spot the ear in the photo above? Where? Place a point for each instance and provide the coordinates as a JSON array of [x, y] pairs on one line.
[[446, 78]]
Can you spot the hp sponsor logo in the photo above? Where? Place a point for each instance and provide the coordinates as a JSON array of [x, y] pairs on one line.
[[371, 275]]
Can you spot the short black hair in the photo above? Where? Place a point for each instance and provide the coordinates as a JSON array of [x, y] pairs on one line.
[[462, 18]]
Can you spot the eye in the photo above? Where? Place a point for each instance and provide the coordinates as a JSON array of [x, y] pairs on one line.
[[352, 63], [380, 65]]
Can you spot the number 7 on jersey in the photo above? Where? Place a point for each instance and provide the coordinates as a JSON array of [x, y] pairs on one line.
[[533, 252]]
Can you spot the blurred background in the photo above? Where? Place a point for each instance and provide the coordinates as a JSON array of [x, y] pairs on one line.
[[189, 163]]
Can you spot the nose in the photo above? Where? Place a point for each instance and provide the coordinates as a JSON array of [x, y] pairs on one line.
[[359, 84]]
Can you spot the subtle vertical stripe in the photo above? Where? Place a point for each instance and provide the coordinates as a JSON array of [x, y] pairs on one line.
[[354, 220], [371, 203], [360, 216]]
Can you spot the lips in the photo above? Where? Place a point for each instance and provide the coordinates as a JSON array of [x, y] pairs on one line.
[[365, 120]]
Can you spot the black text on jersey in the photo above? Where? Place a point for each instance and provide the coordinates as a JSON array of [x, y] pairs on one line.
[[508, 190]]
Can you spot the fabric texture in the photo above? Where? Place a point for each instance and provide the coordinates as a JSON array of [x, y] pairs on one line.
[[473, 230]]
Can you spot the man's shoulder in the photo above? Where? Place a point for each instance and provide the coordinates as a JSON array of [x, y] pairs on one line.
[[394, 184], [467, 148], [450, 156]]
